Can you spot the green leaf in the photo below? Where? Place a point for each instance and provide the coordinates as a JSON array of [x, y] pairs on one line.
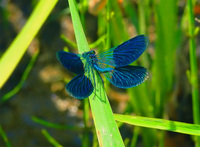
[[167, 125], [50, 138], [2, 133], [106, 127], [23, 79], [194, 69], [15, 52], [54, 125], [79, 33], [165, 52]]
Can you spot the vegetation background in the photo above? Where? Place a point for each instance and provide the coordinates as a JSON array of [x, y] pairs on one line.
[[35, 109]]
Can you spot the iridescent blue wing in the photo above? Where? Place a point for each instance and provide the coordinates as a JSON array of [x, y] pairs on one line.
[[127, 76], [71, 61], [124, 54], [80, 87]]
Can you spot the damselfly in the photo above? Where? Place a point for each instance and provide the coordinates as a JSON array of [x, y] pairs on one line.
[[113, 64]]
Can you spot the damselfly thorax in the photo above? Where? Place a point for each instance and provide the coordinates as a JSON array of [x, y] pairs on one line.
[[90, 57], [92, 61]]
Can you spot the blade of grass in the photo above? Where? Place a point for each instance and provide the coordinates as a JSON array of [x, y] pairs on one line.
[[118, 29], [92, 45], [83, 10], [50, 138], [23, 79], [194, 69], [85, 138], [53, 125], [108, 27], [4, 137], [135, 137], [95, 139], [106, 127], [166, 44], [14, 53], [78, 30], [165, 55], [69, 42], [108, 34], [143, 11], [174, 126], [98, 42]]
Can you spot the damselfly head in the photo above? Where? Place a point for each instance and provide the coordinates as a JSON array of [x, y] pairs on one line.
[[88, 54]]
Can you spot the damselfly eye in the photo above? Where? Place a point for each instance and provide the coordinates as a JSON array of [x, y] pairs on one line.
[[92, 51]]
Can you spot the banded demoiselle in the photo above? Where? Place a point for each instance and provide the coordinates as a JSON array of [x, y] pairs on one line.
[[113, 64]]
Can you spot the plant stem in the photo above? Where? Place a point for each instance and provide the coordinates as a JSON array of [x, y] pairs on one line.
[[194, 70]]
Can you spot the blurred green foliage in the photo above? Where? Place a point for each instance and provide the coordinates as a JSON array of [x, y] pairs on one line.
[[168, 30]]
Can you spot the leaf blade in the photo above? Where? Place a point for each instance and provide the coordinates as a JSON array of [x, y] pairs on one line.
[[106, 127], [174, 126], [16, 50]]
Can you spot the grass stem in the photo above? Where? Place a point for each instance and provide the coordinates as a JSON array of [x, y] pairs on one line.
[[194, 69]]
